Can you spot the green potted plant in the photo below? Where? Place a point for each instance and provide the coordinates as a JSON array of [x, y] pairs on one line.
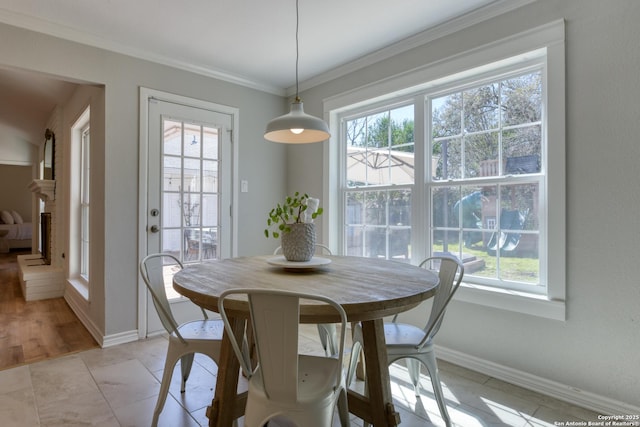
[[292, 222]]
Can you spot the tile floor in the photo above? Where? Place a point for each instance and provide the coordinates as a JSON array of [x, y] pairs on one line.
[[118, 386]]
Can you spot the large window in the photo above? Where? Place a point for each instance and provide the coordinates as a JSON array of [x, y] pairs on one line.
[[85, 174], [469, 164], [379, 156], [79, 204], [485, 187]]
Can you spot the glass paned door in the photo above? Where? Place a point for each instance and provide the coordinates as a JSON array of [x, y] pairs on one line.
[[189, 183], [190, 198]]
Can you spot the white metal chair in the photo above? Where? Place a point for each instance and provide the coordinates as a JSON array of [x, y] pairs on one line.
[[415, 344], [200, 336], [303, 388], [327, 331]]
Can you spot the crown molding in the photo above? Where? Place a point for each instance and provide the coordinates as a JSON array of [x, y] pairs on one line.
[[66, 33], [493, 9], [454, 25]]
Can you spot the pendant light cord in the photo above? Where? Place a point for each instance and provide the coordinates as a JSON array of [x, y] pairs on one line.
[[297, 49]]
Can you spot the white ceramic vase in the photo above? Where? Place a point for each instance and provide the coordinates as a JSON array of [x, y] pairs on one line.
[[299, 243]]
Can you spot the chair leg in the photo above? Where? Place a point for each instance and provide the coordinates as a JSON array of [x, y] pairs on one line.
[[353, 361], [322, 333], [366, 393], [429, 359], [327, 333], [343, 409], [413, 367], [186, 362], [169, 364]]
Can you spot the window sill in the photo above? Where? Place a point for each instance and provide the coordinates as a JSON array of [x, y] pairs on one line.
[[80, 286], [519, 302]]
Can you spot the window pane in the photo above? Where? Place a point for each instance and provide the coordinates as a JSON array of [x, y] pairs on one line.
[[448, 153], [192, 140], [354, 240], [481, 108], [479, 149], [376, 207], [446, 114], [400, 243], [200, 244], [171, 170], [84, 268], [375, 242], [446, 242], [210, 176], [380, 148], [171, 215], [522, 99], [210, 145], [210, 210], [172, 137], [401, 123], [442, 201], [209, 243], [506, 265], [192, 244], [356, 132], [191, 175], [356, 166], [468, 215], [171, 241], [521, 149], [191, 209], [523, 199], [377, 130], [399, 208], [355, 208]]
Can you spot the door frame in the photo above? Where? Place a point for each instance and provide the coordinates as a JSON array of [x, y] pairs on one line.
[[147, 94]]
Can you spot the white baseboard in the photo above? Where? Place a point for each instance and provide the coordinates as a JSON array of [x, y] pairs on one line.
[[120, 338], [573, 395], [78, 305]]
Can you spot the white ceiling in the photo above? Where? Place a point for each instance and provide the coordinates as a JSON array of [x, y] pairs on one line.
[[250, 42]]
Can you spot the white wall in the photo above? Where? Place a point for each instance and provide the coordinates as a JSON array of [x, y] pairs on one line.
[[597, 349], [16, 151], [114, 235], [14, 189]]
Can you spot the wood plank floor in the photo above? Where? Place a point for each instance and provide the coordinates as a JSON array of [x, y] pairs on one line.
[[35, 330]]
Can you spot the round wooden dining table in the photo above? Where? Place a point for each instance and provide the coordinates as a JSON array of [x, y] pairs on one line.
[[368, 289]]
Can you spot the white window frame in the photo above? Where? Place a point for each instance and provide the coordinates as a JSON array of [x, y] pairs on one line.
[[545, 44], [85, 176], [78, 239]]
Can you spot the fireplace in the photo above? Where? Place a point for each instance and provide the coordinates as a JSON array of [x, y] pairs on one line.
[[45, 237]]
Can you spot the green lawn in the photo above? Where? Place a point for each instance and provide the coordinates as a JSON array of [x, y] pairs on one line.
[[521, 269]]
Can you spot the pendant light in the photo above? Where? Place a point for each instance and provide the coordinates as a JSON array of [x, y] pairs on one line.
[[297, 127]]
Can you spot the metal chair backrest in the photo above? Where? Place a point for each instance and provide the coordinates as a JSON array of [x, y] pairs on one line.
[[275, 317], [151, 269], [450, 272]]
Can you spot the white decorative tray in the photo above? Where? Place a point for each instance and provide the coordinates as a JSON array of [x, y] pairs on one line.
[[315, 262]]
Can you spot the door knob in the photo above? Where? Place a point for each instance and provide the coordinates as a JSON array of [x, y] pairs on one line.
[[154, 229]]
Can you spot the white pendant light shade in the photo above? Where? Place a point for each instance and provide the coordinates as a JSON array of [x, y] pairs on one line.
[[297, 127]]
